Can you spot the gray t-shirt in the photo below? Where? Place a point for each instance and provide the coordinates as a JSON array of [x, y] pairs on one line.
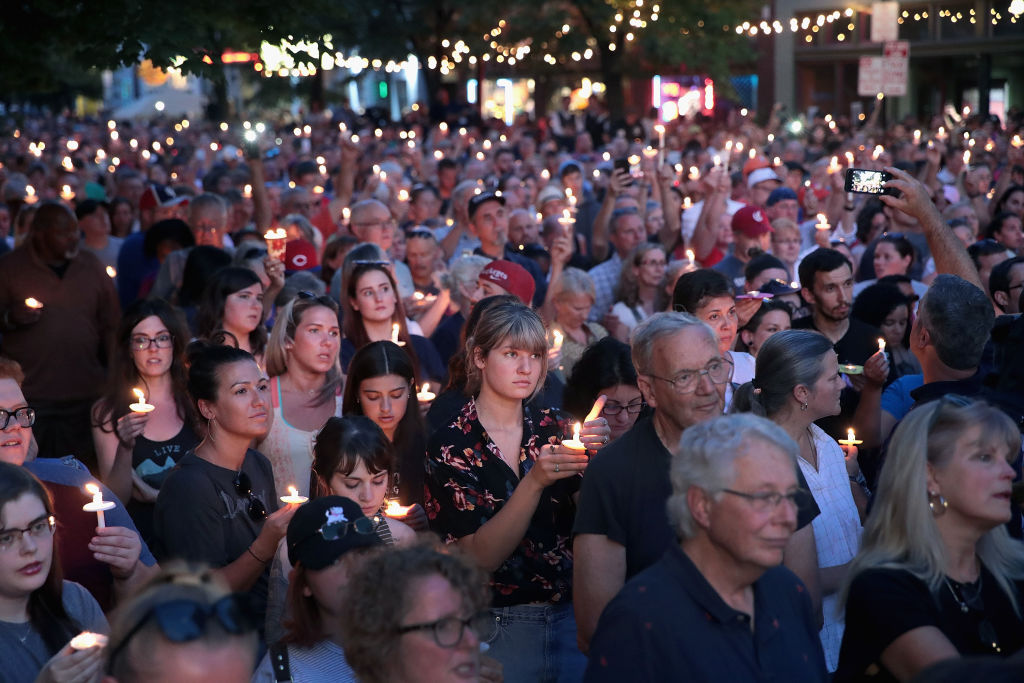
[[22, 650]]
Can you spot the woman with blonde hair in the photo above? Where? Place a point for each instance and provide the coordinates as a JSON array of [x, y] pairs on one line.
[[501, 486], [573, 297], [937, 576], [305, 385]]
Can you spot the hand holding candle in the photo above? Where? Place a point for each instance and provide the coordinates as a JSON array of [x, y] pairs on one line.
[[575, 443], [33, 303], [87, 639], [851, 439], [98, 505]]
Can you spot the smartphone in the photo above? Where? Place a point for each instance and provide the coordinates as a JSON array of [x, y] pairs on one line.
[[863, 181], [623, 165]]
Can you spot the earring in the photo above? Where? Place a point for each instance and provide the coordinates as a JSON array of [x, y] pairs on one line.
[[937, 503], [803, 406]]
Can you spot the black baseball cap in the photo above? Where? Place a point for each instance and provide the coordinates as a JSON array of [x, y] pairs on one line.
[[477, 200], [324, 529]]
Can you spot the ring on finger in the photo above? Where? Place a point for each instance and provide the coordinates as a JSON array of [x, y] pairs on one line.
[[556, 467]]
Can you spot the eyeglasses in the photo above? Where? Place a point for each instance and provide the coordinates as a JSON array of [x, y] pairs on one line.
[[39, 529], [448, 632], [718, 371], [243, 487], [769, 500], [24, 416], [141, 342], [321, 299], [332, 531], [182, 621], [614, 407]]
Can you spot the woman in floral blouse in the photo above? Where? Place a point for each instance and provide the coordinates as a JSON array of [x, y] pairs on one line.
[[501, 486]]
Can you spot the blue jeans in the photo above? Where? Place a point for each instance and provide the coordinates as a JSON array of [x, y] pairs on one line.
[[537, 644]]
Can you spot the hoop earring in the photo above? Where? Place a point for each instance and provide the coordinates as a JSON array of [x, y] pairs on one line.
[[937, 503]]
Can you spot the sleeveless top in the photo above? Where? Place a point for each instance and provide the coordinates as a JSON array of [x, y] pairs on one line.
[[289, 449], [153, 462]]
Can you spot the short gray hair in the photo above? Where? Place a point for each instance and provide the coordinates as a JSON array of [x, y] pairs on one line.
[[706, 459], [574, 281], [658, 326], [959, 319]]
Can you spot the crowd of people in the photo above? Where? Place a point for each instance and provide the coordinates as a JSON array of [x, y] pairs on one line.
[[333, 399]]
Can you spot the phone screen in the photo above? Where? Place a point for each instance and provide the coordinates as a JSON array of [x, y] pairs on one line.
[[866, 182]]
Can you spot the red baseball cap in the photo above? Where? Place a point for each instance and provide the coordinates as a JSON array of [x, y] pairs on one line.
[[751, 221], [299, 255], [511, 277]]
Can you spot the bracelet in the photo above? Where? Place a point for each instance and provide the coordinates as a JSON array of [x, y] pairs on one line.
[[849, 207], [255, 556]]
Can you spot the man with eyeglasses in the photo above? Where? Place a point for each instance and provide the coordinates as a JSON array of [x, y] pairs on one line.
[[718, 605], [1005, 285], [208, 219], [621, 526], [111, 562], [371, 221], [61, 343]]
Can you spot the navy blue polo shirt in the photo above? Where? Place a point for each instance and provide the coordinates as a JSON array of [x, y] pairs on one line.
[[668, 624]]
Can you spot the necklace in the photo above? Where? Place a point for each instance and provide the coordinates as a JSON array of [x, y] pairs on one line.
[[11, 627], [963, 600]]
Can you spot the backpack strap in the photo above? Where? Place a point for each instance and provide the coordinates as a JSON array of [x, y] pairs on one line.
[[279, 662]]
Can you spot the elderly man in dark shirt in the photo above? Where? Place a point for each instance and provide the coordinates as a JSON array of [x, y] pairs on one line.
[[718, 606], [62, 345]]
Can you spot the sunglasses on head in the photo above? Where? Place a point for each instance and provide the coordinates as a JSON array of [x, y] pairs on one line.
[[182, 621], [321, 299], [243, 486]]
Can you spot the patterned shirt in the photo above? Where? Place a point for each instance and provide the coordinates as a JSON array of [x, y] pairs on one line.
[[606, 279], [468, 482]]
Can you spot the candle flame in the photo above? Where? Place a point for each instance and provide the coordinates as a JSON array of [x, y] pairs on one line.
[[276, 234], [394, 509], [138, 394], [690, 255], [850, 435], [92, 489], [426, 387], [111, 271], [292, 491]]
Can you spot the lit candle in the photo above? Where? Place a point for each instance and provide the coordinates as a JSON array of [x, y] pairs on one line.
[[877, 152], [87, 639], [394, 335], [111, 271], [851, 439], [141, 406], [822, 223], [849, 159], [293, 497], [438, 154], [833, 165], [728, 153], [424, 395], [556, 341], [694, 173], [33, 303], [247, 192], [690, 256], [30, 195], [687, 203], [565, 220], [443, 127], [717, 160], [661, 135], [98, 505], [967, 157], [941, 135], [575, 442], [345, 213], [917, 136], [1017, 142], [881, 344], [403, 195], [850, 369], [394, 509], [276, 238], [66, 194]]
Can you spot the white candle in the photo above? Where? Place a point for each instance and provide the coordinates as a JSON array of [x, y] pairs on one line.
[[293, 497], [881, 344], [394, 335], [575, 442], [86, 639], [394, 509], [424, 395], [822, 223], [33, 303], [98, 505], [851, 439], [141, 406]]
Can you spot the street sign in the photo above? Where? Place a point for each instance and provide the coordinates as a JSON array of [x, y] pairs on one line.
[[883, 21], [886, 75], [896, 48]]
